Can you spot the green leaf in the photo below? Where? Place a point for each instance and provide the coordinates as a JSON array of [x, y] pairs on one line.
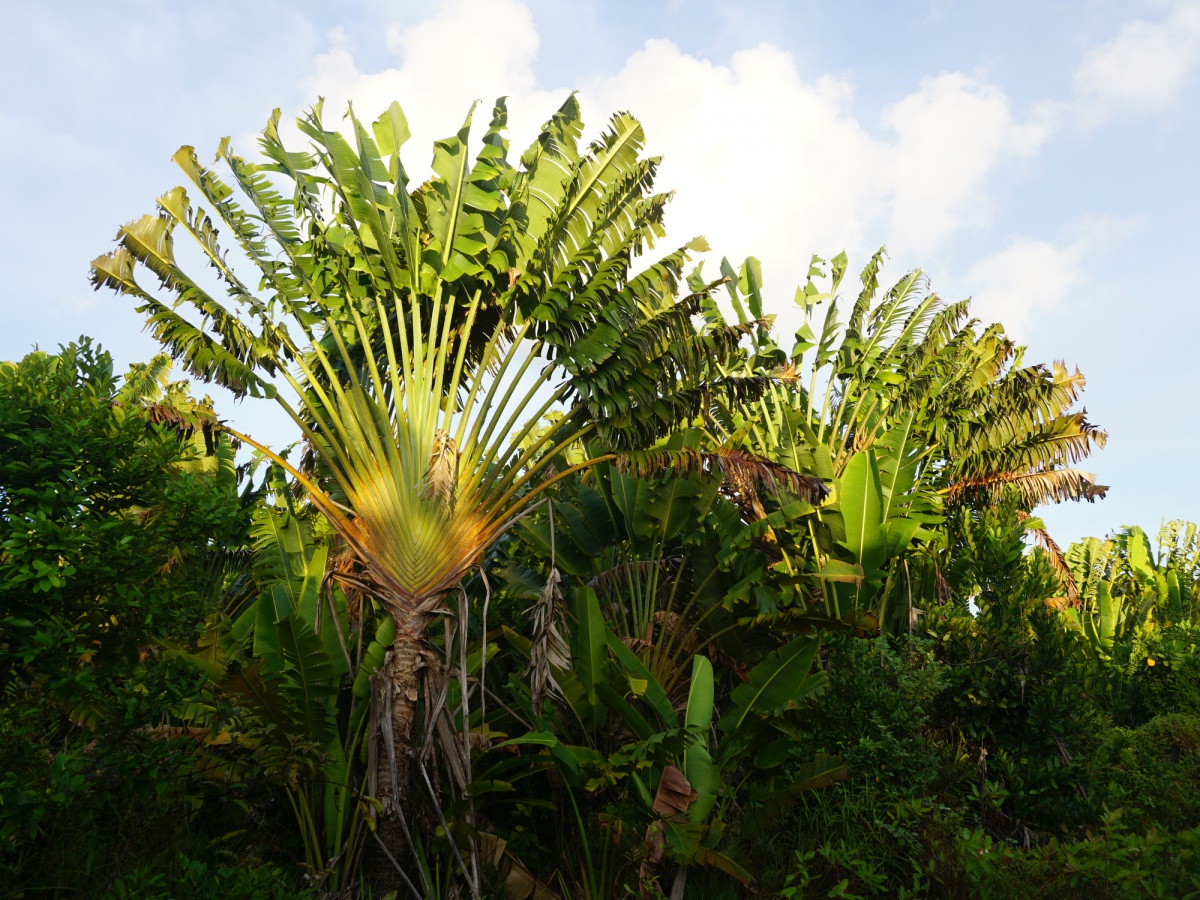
[[1140, 555], [391, 130], [705, 856], [697, 761], [780, 680], [750, 285], [818, 773], [589, 638], [533, 738], [1174, 597], [860, 497], [839, 571], [656, 696]]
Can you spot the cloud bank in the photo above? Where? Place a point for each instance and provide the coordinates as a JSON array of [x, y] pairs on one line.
[[768, 163]]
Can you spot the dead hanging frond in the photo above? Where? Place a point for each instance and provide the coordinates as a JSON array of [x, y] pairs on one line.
[[1058, 563], [339, 571], [1031, 488], [549, 649], [441, 478], [742, 474], [671, 801]]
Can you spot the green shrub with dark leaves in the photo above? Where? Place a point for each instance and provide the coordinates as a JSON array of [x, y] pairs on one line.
[[1113, 861], [1154, 769], [120, 524], [1016, 704], [1165, 675], [866, 833]]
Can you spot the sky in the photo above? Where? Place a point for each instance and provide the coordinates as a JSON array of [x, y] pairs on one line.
[[1039, 157]]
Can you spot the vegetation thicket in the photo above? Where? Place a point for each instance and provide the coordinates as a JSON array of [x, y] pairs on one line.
[[577, 583]]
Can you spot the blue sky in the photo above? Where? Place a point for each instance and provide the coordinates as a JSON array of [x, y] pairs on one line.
[[1040, 157]]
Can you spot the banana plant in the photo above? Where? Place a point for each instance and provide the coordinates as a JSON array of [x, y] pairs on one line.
[[635, 711], [1125, 590], [906, 407], [299, 672], [679, 762]]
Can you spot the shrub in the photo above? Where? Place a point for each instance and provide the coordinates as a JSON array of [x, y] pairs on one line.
[[1116, 862], [1171, 683], [1156, 770], [867, 833]]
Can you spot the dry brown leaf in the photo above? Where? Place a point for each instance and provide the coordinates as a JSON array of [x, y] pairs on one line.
[[674, 794]]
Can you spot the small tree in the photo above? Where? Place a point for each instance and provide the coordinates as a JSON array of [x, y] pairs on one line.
[[425, 332]]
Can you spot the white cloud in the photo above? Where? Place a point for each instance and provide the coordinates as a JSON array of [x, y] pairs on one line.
[[764, 161], [438, 79], [953, 132], [1143, 69], [1030, 277]]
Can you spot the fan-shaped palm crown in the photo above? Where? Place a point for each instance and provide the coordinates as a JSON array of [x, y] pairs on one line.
[[425, 333]]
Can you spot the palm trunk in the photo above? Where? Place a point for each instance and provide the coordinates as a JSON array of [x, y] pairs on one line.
[[396, 688]]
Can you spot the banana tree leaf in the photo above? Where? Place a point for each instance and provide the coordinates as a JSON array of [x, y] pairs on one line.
[[750, 284], [632, 497], [266, 637], [642, 790], [707, 857], [312, 679], [210, 660], [582, 703], [570, 757], [1174, 597], [733, 286], [520, 643], [1140, 555], [597, 515], [264, 696], [244, 623], [283, 545], [1109, 608], [839, 571], [572, 530], [780, 680], [898, 458], [860, 498], [697, 761], [818, 773], [634, 720], [655, 695], [310, 589], [532, 739], [673, 505], [568, 557], [521, 582], [898, 533], [589, 649]]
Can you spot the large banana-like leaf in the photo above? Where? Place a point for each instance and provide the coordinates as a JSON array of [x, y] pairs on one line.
[[590, 651], [861, 501], [779, 681], [820, 772], [697, 761]]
